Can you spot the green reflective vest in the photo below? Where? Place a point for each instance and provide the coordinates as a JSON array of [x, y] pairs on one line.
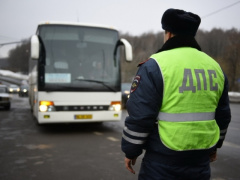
[[193, 84]]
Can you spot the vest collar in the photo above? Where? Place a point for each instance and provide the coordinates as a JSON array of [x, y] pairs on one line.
[[180, 41]]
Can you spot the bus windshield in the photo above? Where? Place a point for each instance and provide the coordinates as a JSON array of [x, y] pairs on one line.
[[79, 58]]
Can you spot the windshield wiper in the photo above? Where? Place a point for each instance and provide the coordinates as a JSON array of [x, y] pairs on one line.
[[99, 82]]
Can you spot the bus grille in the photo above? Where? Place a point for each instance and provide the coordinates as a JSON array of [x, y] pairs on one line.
[[81, 108]]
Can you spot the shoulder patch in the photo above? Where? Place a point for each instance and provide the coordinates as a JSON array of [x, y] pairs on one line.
[[141, 63], [135, 83]]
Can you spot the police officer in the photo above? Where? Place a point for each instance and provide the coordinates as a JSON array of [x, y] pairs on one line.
[[178, 107]]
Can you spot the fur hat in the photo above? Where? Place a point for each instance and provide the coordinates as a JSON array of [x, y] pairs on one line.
[[180, 22]]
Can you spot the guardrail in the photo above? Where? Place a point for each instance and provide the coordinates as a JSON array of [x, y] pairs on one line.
[[234, 97]]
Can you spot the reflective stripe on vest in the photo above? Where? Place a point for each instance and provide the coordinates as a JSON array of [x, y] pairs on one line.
[[193, 84], [178, 117]]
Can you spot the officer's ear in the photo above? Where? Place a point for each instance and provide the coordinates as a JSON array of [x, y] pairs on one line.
[[168, 35]]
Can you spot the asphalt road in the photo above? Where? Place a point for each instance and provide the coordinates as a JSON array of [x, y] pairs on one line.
[[83, 151]]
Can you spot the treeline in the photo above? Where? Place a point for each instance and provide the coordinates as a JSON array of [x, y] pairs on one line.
[[222, 45], [19, 57]]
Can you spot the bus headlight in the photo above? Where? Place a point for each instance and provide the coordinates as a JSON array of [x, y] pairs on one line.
[[115, 106], [46, 106]]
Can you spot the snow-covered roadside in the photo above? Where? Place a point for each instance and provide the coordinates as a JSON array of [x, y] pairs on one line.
[[234, 96], [11, 74]]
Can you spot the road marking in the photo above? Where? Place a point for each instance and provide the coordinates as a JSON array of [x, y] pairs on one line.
[[113, 139], [38, 163], [20, 161], [39, 146], [229, 144], [109, 138], [97, 133]]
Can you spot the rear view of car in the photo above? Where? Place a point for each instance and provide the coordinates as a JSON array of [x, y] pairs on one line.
[[5, 99]]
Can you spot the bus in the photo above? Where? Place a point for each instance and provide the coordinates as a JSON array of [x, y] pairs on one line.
[[75, 73]]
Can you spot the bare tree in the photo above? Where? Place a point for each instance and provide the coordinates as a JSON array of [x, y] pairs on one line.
[[143, 46], [232, 59], [19, 56]]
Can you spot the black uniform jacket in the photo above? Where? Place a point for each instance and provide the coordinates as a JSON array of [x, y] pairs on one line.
[[141, 130]]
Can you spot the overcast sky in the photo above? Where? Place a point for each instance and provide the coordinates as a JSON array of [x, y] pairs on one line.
[[19, 18]]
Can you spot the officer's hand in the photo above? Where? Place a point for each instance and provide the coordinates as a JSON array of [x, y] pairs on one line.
[[213, 156], [129, 163]]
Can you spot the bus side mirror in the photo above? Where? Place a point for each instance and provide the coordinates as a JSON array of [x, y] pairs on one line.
[[128, 49], [35, 47]]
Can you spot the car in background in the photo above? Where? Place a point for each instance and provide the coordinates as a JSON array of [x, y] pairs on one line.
[[125, 93], [13, 88], [5, 98], [23, 90]]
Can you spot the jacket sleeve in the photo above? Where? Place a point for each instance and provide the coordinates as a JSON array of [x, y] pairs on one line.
[[143, 108], [223, 113]]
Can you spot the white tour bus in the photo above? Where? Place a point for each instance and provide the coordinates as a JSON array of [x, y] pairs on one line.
[[75, 74]]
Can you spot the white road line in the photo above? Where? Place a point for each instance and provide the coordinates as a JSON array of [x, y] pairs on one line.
[[97, 133], [113, 139], [229, 144]]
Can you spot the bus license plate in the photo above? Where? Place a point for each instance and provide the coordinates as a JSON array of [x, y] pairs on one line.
[[83, 116]]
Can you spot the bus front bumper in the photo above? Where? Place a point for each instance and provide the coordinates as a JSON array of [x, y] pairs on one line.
[[78, 117]]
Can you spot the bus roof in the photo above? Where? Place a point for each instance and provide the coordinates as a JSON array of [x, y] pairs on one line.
[[76, 24]]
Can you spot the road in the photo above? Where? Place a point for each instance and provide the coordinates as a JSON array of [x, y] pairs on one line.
[[83, 151]]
